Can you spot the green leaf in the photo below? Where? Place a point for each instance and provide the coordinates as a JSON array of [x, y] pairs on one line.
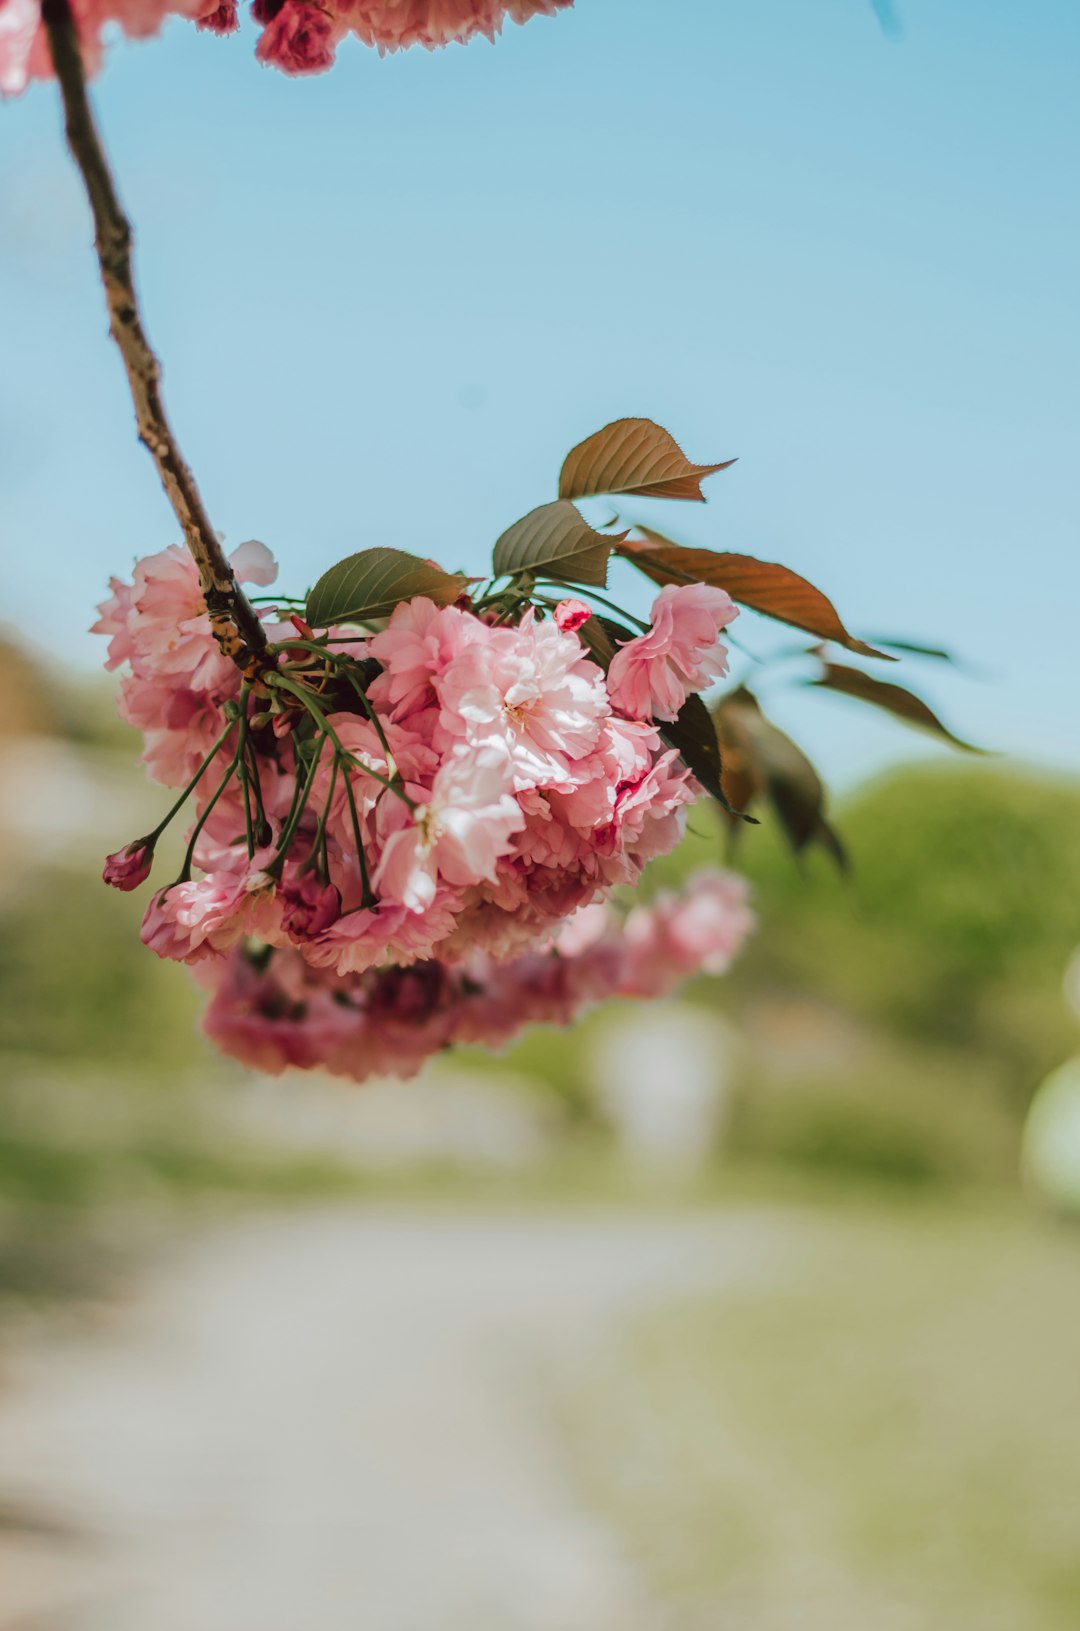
[[894, 699], [369, 585], [774, 591], [553, 541], [693, 736], [633, 456], [603, 636]]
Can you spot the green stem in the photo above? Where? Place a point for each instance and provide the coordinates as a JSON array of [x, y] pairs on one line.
[[283, 683], [238, 753], [297, 811], [152, 838]]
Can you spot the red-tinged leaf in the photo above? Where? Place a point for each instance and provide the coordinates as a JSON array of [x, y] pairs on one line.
[[370, 584], [894, 699], [693, 736], [633, 456], [759, 759], [774, 591], [554, 541]]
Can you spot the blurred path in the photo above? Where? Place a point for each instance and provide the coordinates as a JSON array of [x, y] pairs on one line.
[[338, 1421]]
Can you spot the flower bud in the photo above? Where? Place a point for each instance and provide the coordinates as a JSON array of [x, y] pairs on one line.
[[310, 907], [571, 614], [129, 867]]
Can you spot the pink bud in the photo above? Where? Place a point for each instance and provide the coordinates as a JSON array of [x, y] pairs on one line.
[[310, 907], [130, 866], [571, 614], [299, 38], [220, 19]]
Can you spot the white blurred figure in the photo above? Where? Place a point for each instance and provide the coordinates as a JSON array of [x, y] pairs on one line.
[[1050, 1152], [663, 1075]]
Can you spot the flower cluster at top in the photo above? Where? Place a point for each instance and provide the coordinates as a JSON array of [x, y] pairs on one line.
[[406, 835], [298, 36]]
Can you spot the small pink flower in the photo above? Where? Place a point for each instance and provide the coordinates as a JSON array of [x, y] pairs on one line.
[[129, 867], [533, 691], [309, 907], [300, 38], [458, 835], [571, 614], [651, 676], [697, 932], [221, 19], [202, 917], [115, 618], [414, 649], [19, 20]]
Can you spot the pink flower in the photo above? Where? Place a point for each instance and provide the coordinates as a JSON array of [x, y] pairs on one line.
[[414, 649], [651, 676], [276, 1017], [299, 38], [571, 614], [220, 19], [394, 24], [531, 689], [309, 907], [159, 624], [458, 835], [203, 917], [699, 931], [129, 867], [116, 611], [19, 21], [387, 933]]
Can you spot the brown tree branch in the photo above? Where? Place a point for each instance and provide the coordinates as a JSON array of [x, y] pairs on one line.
[[235, 625]]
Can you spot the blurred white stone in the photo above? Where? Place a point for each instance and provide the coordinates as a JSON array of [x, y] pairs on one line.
[[663, 1074], [1051, 1143], [1072, 983]]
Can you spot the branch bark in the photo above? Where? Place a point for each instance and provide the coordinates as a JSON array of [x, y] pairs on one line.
[[236, 628]]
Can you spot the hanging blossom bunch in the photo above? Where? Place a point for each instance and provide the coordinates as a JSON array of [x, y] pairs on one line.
[[298, 36], [418, 800], [408, 823]]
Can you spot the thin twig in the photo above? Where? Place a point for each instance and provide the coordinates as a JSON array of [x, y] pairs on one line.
[[236, 628]]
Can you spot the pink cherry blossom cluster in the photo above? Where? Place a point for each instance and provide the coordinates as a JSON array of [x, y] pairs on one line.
[[278, 1013], [443, 795], [298, 36]]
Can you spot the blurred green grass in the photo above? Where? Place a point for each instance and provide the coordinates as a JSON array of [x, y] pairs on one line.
[[879, 1430]]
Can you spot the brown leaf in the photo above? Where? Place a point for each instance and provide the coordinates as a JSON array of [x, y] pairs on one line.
[[554, 541], [760, 759], [894, 699], [633, 456], [773, 590]]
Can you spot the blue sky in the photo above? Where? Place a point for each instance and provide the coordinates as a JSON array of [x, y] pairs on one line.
[[389, 300]]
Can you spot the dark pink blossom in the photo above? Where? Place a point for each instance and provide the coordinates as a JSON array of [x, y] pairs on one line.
[[309, 907], [300, 38]]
